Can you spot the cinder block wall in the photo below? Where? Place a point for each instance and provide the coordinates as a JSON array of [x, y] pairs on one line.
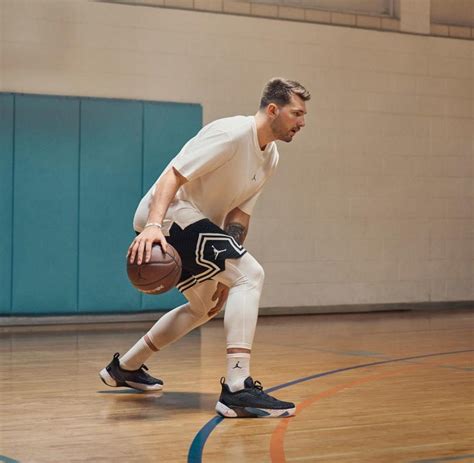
[[372, 203]]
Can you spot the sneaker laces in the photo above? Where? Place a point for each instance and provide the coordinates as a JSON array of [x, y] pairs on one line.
[[142, 374], [143, 371], [258, 385]]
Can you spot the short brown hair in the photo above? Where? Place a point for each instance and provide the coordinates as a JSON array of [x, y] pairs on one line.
[[279, 91]]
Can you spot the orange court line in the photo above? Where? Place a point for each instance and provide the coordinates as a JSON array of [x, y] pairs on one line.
[[277, 451]]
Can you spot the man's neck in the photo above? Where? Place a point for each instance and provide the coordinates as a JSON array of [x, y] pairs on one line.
[[264, 132]]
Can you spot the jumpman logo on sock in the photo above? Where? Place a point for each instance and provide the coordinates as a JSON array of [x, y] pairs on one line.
[[217, 252], [237, 366]]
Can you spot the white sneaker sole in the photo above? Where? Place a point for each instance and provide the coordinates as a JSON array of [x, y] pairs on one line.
[[107, 379], [248, 412]]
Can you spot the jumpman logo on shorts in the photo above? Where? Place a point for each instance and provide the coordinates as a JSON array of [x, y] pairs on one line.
[[217, 252], [237, 366]]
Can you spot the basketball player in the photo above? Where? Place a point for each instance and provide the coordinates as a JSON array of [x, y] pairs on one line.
[[201, 204]]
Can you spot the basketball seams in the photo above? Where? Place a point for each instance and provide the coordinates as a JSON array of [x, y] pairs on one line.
[[149, 277], [156, 284], [160, 279]]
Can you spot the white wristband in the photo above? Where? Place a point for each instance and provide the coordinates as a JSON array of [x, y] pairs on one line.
[[153, 224]]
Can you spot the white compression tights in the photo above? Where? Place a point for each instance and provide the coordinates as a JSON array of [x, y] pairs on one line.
[[245, 277]]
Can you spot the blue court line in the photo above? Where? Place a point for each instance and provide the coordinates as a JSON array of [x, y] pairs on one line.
[[4, 459], [441, 459], [197, 445]]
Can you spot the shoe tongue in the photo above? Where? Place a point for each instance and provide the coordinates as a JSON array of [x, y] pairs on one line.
[[248, 383]]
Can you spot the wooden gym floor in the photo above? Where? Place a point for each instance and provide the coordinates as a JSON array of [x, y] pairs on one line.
[[377, 387]]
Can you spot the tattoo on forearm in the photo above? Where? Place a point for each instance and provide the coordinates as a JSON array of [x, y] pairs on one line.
[[237, 231]]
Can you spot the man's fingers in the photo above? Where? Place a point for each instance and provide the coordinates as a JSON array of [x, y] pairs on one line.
[[217, 307], [214, 310], [218, 293], [141, 248], [221, 295], [133, 251], [148, 246], [130, 248]]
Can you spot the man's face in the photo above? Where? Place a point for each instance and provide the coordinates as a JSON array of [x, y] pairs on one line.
[[288, 119]]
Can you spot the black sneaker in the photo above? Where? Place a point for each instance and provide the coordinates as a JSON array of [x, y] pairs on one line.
[[114, 376], [251, 402]]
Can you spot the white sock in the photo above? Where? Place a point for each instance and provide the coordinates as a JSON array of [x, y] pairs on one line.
[[134, 358], [238, 369]]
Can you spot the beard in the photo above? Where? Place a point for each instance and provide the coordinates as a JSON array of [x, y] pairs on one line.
[[280, 132]]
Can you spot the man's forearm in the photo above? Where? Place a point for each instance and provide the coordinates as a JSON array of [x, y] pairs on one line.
[[237, 231], [164, 194], [237, 224]]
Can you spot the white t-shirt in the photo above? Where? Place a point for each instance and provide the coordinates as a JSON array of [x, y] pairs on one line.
[[225, 168]]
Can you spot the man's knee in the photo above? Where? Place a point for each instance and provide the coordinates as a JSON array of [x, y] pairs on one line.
[[255, 272], [245, 271]]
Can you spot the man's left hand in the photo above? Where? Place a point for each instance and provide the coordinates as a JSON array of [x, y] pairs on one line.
[[221, 294]]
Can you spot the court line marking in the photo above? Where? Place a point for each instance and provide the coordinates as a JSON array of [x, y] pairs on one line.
[[441, 459], [4, 459], [197, 445], [277, 451]]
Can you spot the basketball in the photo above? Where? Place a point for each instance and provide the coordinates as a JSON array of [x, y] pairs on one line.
[[158, 275]]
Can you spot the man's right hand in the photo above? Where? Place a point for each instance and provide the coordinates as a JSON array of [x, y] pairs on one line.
[[140, 249]]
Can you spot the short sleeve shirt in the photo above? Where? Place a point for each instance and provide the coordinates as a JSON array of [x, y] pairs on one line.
[[225, 169]]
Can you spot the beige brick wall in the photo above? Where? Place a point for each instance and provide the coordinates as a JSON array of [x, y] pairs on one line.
[[372, 203]]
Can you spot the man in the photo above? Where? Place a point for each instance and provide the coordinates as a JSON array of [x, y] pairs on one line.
[[201, 205]]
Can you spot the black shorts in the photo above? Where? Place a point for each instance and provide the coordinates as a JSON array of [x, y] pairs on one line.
[[203, 248]]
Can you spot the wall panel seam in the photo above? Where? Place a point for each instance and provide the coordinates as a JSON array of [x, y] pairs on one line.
[[79, 128], [13, 204]]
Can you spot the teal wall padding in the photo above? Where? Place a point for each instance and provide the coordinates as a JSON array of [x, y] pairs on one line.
[[72, 171], [166, 125], [110, 185], [6, 195], [45, 204]]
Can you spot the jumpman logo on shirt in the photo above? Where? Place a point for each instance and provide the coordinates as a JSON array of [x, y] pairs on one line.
[[237, 366], [254, 178], [217, 252]]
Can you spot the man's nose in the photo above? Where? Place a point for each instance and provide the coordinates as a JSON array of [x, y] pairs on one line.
[[302, 122]]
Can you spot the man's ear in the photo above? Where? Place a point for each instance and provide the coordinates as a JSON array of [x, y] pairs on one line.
[[272, 110]]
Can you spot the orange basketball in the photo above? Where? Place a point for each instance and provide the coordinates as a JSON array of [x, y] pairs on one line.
[[160, 274]]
